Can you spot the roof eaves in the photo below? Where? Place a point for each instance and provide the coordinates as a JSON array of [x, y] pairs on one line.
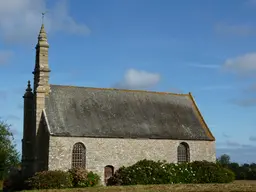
[[47, 122]]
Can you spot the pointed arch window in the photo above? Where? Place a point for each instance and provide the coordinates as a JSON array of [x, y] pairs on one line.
[[183, 153], [79, 156]]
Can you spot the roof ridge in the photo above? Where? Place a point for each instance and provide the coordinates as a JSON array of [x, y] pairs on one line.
[[125, 90]]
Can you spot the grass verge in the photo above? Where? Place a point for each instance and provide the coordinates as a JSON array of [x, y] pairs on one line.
[[236, 186]]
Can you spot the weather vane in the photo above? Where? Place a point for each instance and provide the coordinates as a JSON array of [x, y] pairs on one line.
[[43, 14]]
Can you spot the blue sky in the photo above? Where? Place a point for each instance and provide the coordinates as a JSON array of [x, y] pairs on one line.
[[206, 47]]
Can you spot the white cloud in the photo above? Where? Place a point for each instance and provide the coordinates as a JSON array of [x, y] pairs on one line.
[[245, 64], [232, 29], [134, 79], [204, 66], [5, 56], [20, 20]]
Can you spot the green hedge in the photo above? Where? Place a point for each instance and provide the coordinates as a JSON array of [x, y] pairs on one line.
[[61, 179], [150, 172], [50, 180]]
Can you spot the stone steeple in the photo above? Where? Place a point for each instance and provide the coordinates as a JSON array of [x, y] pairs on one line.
[[41, 75], [42, 70], [41, 85]]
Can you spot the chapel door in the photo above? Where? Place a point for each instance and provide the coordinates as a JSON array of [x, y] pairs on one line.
[[108, 172]]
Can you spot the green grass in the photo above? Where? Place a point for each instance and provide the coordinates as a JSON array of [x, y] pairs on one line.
[[236, 186]]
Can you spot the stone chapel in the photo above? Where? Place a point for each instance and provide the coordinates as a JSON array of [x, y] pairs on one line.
[[102, 129]]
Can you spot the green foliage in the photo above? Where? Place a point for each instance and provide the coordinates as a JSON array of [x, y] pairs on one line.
[[224, 160], [93, 179], [9, 157], [242, 172], [14, 181], [150, 172], [81, 178], [60, 179], [209, 172], [139, 173], [50, 180]]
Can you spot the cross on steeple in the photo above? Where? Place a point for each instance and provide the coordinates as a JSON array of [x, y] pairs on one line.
[[43, 14]]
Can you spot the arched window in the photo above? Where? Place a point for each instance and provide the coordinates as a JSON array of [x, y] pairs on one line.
[[183, 153], [108, 172], [79, 156]]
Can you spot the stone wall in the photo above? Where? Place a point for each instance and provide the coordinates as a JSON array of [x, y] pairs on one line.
[[118, 152]]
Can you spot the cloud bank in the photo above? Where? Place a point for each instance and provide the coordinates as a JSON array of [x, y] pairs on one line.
[[21, 19], [242, 65]]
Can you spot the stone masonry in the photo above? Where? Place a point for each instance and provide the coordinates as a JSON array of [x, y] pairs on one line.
[[101, 152]]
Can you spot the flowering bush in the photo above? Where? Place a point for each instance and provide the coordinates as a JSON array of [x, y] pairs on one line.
[[81, 178], [78, 176], [150, 172], [208, 172], [50, 180]]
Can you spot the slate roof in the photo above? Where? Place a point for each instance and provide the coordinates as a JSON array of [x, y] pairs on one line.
[[116, 113]]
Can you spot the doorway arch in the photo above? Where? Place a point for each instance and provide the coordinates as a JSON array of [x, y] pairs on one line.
[[108, 172]]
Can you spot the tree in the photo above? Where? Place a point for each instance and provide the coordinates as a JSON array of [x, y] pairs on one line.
[[224, 160], [9, 157]]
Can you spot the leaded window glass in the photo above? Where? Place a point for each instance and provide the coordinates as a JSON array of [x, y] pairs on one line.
[[79, 156]]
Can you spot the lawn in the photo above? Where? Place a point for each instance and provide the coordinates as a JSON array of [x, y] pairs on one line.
[[236, 186]]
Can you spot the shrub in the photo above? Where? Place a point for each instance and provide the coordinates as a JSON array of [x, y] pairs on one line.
[[81, 178], [92, 179], [209, 172], [13, 181], [142, 172], [251, 175], [50, 180], [78, 176], [150, 172]]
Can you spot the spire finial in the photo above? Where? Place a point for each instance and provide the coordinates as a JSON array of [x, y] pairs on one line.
[[29, 87], [43, 14], [42, 37], [43, 18]]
